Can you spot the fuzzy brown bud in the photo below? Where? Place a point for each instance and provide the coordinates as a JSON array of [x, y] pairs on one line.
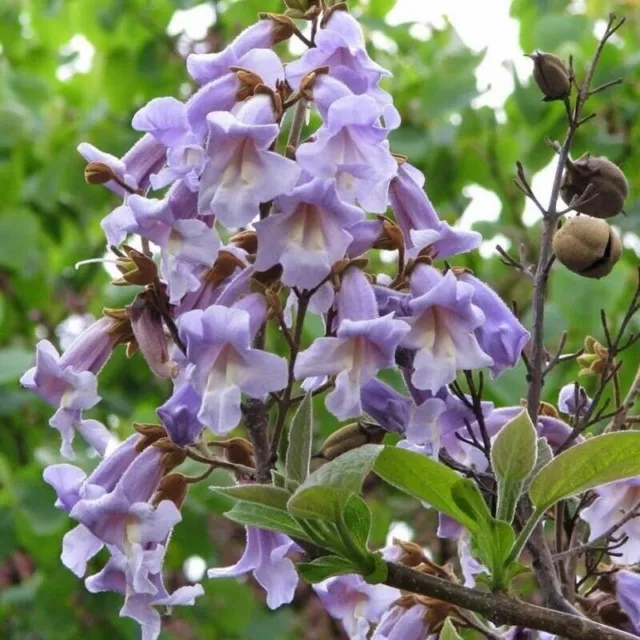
[[98, 173], [238, 451], [246, 240], [606, 184], [174, 487], [587, 246], [150, 433], [551, 75], [391, 236], [348, 438]]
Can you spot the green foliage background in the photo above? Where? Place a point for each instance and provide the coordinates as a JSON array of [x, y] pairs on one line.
[[49, 219]]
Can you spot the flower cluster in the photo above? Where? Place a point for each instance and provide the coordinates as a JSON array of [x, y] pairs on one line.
[[251, 230]]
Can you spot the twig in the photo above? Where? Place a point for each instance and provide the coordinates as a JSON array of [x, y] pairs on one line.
[[256, 418], [634, 512], [500, 608]]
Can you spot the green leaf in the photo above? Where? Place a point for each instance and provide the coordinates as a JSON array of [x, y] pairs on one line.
[[262, 494], [543, 458], [255, 515], [448, 631], [327, 490], [513, 457], [597, 461], [300, 436], [493, 547], [435, 484], [325, 567], [357, 517]]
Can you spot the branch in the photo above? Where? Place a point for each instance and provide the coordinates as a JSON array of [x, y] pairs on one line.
[[634, 512], [500, 608], [256, 418]]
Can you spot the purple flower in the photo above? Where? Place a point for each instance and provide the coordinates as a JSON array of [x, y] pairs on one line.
[[148, 331], [443, 322], [242, 172], [628, 596], [340, 45], [501, 336], [613, 501], [418, 220], [404, 623], [179, 414], [388, 407], [221, 94], [352, 148], [225, 365], [230, 262], [187, 245], [265, 556], [164, 118], [69, 383], [205, 67], [355, 603], [573, 400], [134, 168], [363, 345], [123, 517], [72, 485], [307, 236], [139, 604]]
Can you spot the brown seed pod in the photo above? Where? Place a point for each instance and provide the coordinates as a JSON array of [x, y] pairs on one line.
[[587, 246], [608, 187], [551, 75]]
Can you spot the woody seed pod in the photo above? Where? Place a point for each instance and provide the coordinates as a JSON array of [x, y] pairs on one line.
[[587, 246], [607, 186], [551, 75]]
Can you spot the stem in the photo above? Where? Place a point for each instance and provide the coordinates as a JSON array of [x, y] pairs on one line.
[[501, 609], [257, 424], [543, 564], [303, 303], [297, 123], [523, 536]]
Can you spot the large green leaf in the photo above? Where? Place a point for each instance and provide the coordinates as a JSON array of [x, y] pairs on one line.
[[300, 436], [327, 490], [263, 494], [255, 515], [597, 461], [513, 458], [435, 484], [448, 631], [325, 567]]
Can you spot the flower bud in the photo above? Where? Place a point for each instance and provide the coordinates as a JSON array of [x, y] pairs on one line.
[[174, 487], [348, 438], [302, 9], [246, 240], [99, 173], [137, 268], [587, 246], [551, 75], [608, 187], [594, 359]]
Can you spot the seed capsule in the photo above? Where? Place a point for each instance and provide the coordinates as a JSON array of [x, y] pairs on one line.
[[551, 75], [609, 187], [587, 246]]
